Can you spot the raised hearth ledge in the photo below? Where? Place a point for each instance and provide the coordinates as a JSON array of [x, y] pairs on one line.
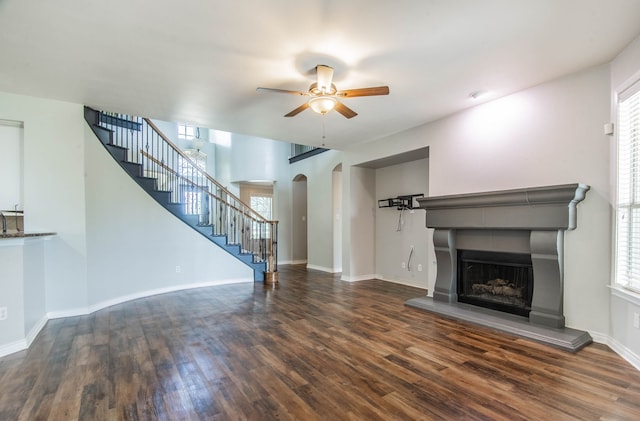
[[564, 338]]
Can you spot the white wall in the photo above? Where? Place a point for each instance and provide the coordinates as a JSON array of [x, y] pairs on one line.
[[53, 165], [11, 285], [625, 70], [255, 158], [337, 218], [318, 171], [34, 285], [359, 189], [393, 246]]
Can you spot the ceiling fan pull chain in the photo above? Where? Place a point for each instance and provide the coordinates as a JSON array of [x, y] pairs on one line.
[[323, 128]]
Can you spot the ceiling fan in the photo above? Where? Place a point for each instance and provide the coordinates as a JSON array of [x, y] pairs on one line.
[[324, 95]]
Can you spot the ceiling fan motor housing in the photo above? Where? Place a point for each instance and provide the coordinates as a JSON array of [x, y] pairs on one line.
[[322, 90]]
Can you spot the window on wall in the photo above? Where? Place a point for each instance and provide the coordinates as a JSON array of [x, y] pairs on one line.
[[186, 131], [628, 190], [192, 196], [263, 205]]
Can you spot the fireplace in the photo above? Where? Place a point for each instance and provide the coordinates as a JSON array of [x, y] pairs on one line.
[[500, 258], [499, 281]]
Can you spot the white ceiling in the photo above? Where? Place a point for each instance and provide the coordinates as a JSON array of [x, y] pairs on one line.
[[200, 61]]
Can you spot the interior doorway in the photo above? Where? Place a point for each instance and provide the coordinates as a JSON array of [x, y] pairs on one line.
[[337, 217], [299, 219]]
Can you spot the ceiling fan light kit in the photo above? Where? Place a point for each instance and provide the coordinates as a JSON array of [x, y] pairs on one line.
[[322, 104], [324, 94]]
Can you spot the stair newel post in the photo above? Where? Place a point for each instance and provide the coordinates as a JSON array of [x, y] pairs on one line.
[[209, 198], [241, 228], [274, 246], [223, 214], [271, 275]]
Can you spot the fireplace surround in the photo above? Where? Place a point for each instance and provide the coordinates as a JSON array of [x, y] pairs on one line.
[[529, 222]]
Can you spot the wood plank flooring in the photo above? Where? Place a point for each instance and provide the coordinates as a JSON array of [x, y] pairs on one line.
[[313, 348]]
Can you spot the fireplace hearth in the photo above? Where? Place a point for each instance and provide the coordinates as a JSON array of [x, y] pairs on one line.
[[500, 260]]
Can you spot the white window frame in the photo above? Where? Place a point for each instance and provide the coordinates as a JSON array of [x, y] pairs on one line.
[[186, 131], [255, 230], [627, 209]]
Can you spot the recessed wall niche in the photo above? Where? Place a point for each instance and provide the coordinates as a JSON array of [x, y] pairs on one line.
[[11, 165]]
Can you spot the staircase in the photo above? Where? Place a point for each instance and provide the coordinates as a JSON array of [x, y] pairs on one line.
[[177, 183]]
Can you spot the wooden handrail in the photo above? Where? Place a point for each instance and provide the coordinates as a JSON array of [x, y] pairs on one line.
[[204, 173], [172, 171]]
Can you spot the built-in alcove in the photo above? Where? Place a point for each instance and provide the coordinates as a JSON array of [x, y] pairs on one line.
[[11, 173], [401, 239]]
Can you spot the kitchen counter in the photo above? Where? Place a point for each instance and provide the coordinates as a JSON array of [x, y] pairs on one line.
[[22, 234]]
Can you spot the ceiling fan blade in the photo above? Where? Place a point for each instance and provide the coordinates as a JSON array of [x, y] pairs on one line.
[[298, 110], [344, 110], [378, 90], [282, 91], [325, 77]]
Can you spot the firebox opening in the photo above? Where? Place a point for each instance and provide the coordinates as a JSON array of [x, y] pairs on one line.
[[499, 281]]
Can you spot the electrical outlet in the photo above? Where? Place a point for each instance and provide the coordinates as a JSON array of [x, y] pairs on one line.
[[178, 268], [404, 265], [419, 268], [4, 314], [636, 320]]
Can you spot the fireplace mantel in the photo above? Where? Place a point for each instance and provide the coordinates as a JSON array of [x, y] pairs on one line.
[[536, 208], [529, 220]]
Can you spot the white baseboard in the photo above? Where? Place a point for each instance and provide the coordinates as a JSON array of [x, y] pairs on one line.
[[293, 262], [80, 311], [404, 282], [33, 333], [123, 299], [12, 347], [599, 337], [631, 357], [320, 268], [357, 278]]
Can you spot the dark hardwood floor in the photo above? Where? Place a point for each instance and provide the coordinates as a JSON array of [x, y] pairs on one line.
[[313, 348]]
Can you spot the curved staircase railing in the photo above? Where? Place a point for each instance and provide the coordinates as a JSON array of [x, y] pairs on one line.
[[189, 191]]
